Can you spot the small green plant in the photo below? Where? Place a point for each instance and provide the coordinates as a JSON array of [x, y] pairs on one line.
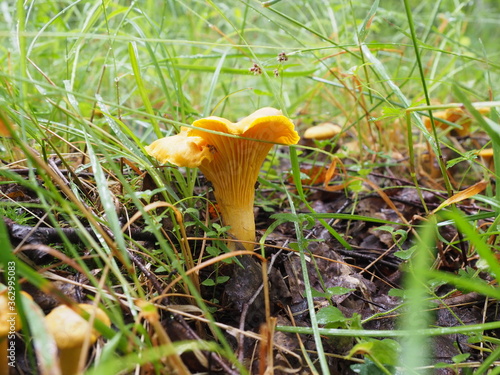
[[17, 214], [380, 356], [399, 236]]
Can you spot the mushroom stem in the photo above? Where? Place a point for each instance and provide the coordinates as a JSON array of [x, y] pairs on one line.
[[73, 334], [69, 360], [233, 171], [10, 323], [238, 213], [4, 365]]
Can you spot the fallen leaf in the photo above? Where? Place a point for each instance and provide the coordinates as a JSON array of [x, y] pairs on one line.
[[464, 194]]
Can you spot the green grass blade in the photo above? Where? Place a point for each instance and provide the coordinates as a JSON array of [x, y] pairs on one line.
[[133, 54], [416, 347], [481, 247], [437, 149], [302, 246], [213, 83], [431, 332]]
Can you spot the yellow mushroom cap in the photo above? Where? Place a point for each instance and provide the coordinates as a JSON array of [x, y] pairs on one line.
[[322, 131], [8, 312], [5, 315], [69, 329], [231, 164], [181, 150], [192, 146], [457, 116], [487, 157], [486, 153], [454, 115]]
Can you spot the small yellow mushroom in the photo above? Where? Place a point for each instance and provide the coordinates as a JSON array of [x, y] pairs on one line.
[[231, 164], [10, 323], [70, 332], [487, 157], [456, 116], [322, 131]]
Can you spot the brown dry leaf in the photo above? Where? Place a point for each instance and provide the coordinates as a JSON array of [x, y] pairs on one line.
[[315, 175], [331, 174], [331, 171], [339, 187], [464, 194]]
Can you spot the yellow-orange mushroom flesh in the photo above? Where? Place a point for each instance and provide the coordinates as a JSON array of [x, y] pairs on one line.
[[231, 164], [487, 157], [454, 115], [70, 331], [7, 327], [10, 323], [322, 131]]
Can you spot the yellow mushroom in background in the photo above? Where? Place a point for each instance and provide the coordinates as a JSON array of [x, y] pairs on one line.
[[322, 131], [71, 331], [231, 164], [455, 115], [486, 156]]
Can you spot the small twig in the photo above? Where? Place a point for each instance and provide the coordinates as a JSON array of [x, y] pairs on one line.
[[193, 336], [27, 171], [149, 275], [45, 235], [244, 311], [240, 338]]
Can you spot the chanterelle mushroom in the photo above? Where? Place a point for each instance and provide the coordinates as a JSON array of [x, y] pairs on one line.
[[322, 131], [487, 155], [231, 164], [457, 116], [70, 331], [10, 323]]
